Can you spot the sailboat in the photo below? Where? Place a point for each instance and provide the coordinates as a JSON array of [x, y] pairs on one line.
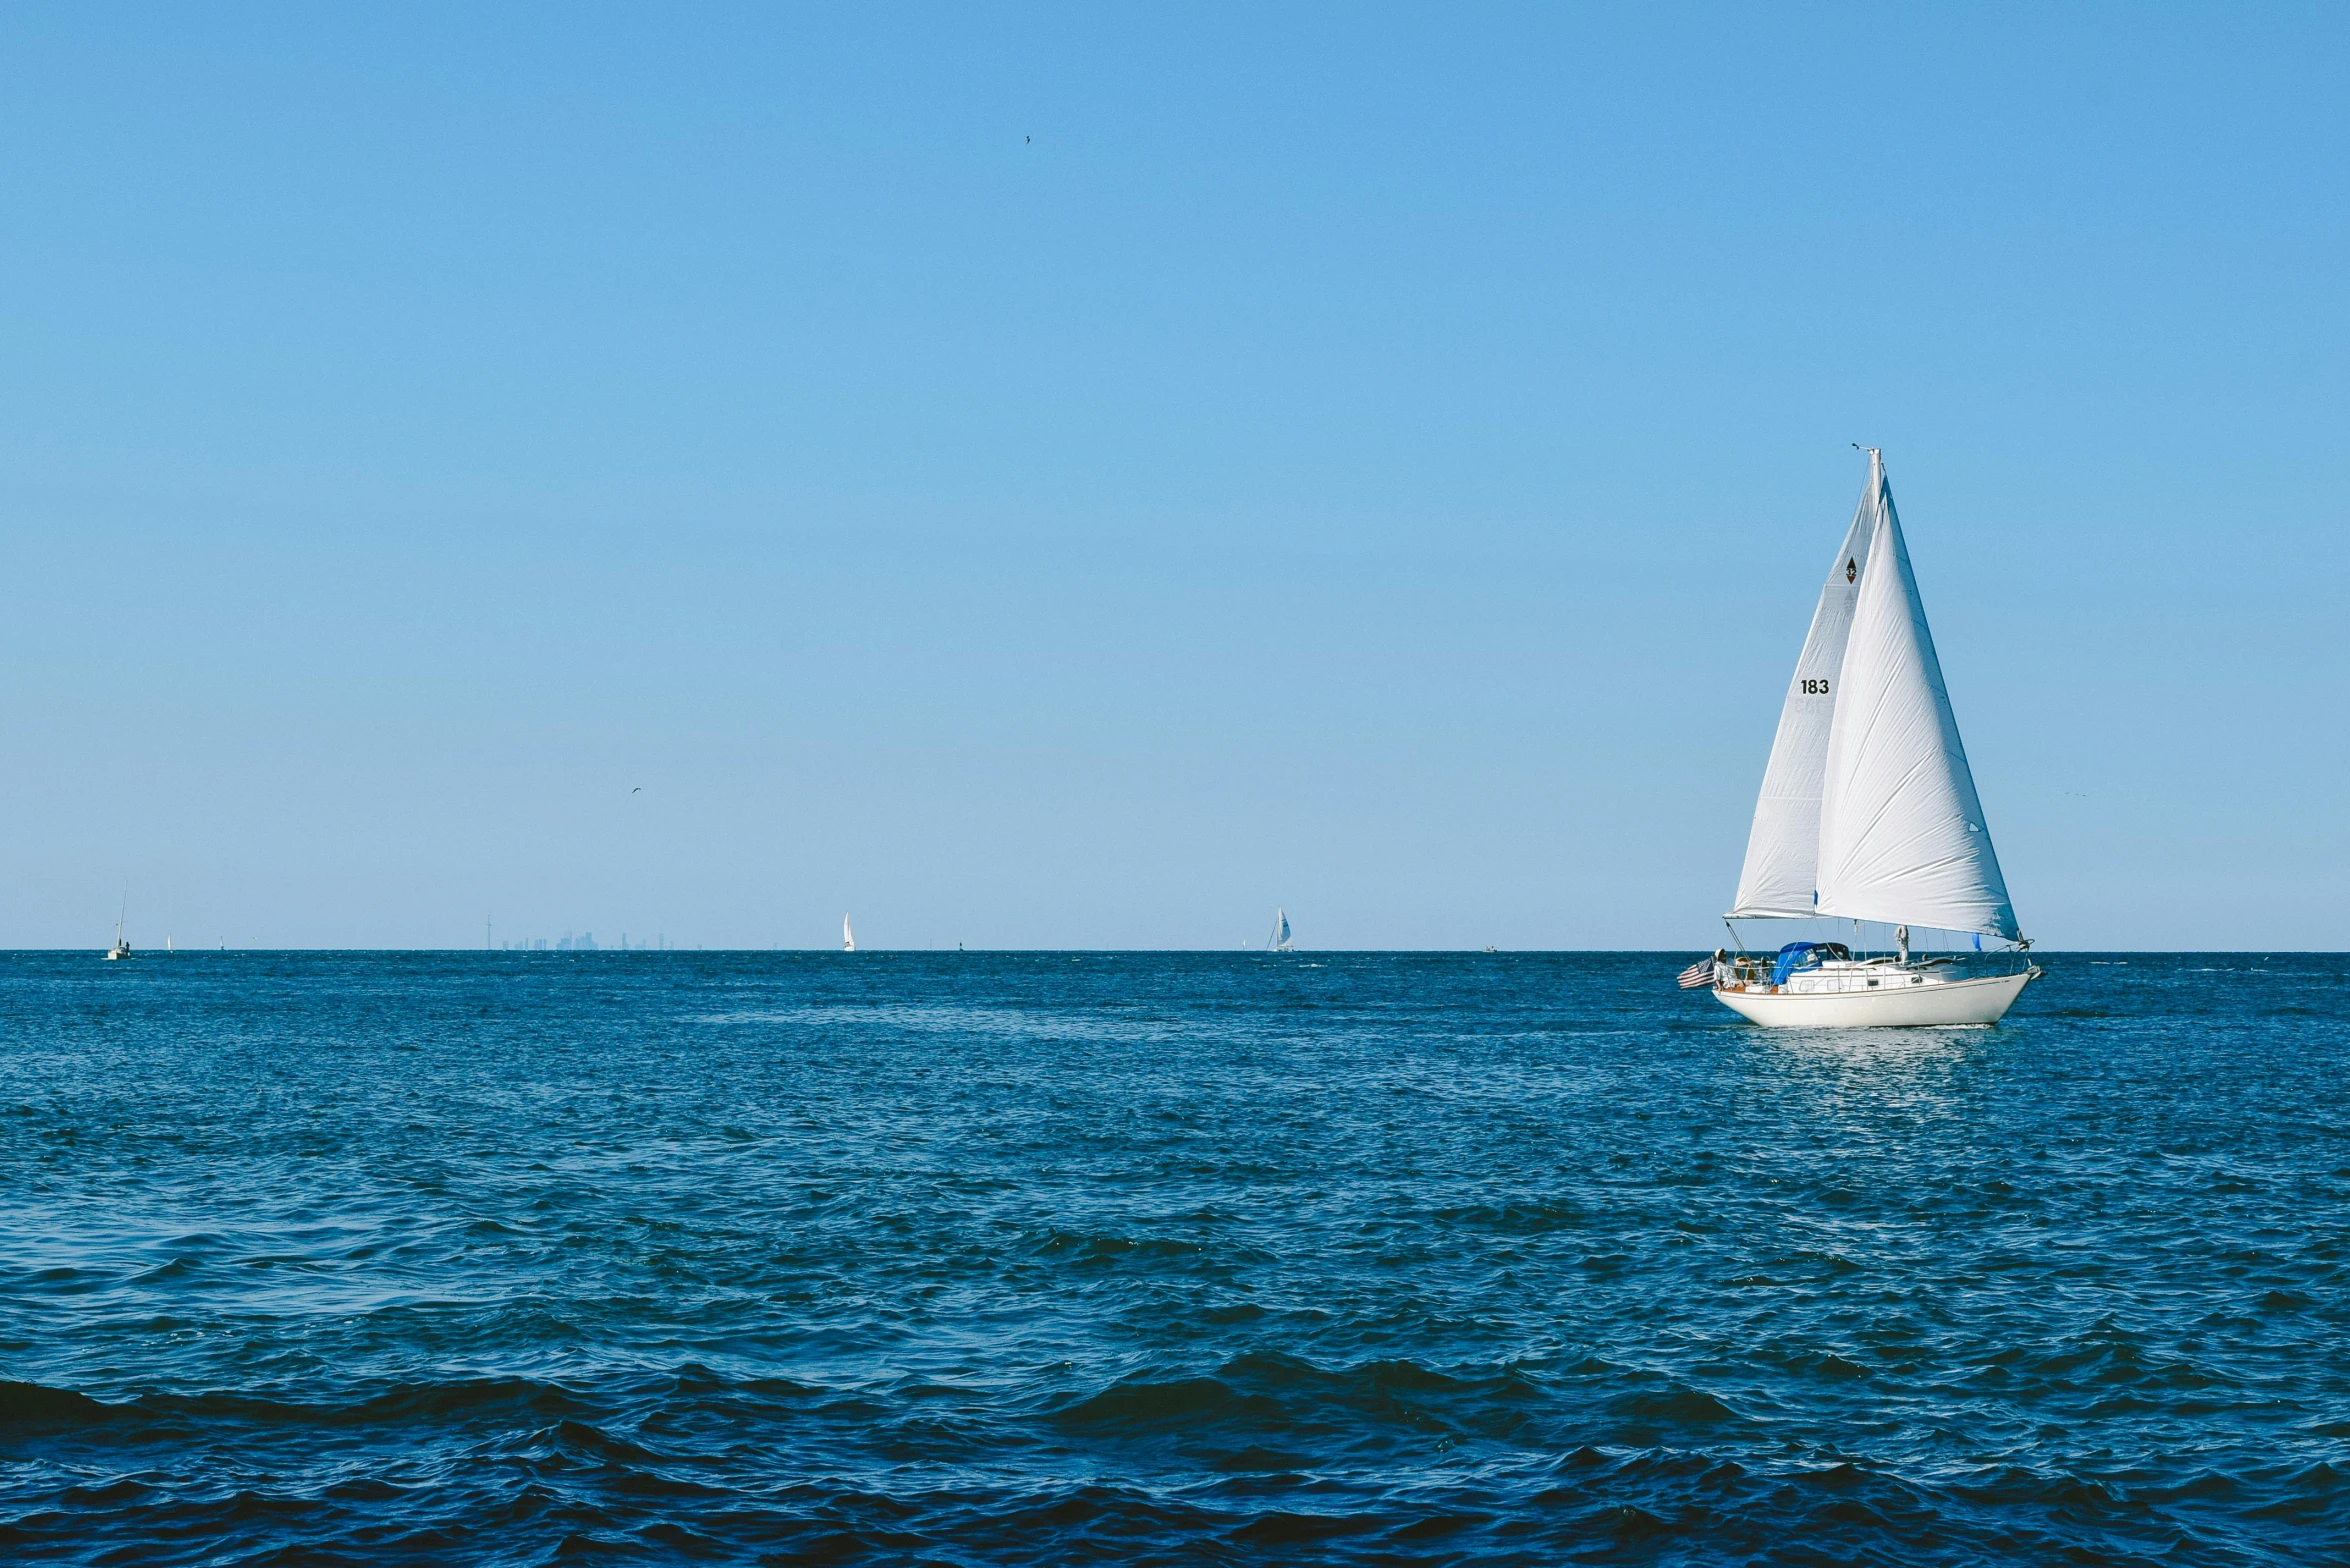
[[121, 948], [848, 938], [1868, 812], [1279, 942]]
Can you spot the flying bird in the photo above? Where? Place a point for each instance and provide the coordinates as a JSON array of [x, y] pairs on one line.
[[639, 790]]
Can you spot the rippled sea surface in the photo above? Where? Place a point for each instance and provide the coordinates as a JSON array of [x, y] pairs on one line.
[[395, 1258]]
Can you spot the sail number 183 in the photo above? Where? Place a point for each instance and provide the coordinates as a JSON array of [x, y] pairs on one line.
[[1815, 688]]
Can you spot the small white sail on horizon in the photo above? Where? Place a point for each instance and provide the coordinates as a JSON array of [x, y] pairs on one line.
[[121, 948], [848, 938], [1868, 809]]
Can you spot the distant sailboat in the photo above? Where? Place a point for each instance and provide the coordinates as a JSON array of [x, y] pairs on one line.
[[848, 938], [1279, 942], [1868, 812], [121, 948]]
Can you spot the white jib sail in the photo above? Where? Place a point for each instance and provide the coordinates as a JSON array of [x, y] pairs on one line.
[[1902, 835], [1782, 852]]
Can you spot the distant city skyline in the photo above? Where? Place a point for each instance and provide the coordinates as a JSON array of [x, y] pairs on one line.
[[1083, 479]]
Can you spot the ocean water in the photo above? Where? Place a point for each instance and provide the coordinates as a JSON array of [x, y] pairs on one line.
[[1184, 1259]]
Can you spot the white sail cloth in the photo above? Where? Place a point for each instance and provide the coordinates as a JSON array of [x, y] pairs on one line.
[[1782, 853], [1899, 831]]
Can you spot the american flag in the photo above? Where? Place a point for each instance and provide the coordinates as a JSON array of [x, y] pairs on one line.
[[1698, 974]]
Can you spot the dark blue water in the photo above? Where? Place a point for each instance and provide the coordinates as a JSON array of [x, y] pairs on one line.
[[1162, 1259]]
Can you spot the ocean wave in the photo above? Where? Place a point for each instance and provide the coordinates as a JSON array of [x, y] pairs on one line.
[[1187, 1260]]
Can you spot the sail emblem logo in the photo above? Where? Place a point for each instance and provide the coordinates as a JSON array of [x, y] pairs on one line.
[[1851, 569]]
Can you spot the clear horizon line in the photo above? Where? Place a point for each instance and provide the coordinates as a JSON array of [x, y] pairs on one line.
[[1225, 952]]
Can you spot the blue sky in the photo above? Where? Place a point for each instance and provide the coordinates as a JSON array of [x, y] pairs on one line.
[[1084, 477]]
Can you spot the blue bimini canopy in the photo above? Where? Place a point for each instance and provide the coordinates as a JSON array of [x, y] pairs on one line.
[[1805, 955]]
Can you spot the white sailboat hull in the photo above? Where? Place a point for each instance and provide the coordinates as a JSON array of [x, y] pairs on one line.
[[1983, 1001]]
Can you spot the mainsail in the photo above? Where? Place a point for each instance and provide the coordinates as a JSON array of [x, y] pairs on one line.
[[1902, 836], [1782, 852]]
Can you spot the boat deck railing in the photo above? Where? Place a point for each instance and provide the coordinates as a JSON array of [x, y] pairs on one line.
[[1752, 971]]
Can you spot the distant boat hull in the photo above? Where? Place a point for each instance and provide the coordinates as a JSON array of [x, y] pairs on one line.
[[1945, 1002]]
